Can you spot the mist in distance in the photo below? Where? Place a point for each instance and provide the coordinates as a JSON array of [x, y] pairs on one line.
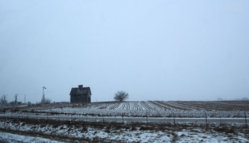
[[154, 50]]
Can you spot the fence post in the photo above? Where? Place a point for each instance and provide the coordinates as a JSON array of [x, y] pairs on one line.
[[122, 118], [146, 119], [174, 120], [245, 119], [220, 120], [206, 119]]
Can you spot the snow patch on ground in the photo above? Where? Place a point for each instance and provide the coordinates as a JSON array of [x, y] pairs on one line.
[[120, 135], [15, 138]]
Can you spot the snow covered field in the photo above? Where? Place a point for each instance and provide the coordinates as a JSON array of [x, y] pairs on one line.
[[198, 112], [75, 131], [191, 109], [131, 121]]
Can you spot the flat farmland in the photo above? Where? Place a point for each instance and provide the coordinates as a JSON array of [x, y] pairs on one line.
[[193, 109], [130, 121], [138, 111]]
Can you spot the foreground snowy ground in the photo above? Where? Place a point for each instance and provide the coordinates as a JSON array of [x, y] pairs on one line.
[[114, 132], [15, 138]]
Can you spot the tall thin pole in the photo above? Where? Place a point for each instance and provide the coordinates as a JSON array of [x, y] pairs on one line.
[[43, 94]]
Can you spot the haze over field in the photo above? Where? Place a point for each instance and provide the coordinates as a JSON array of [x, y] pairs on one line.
[[154, 50]]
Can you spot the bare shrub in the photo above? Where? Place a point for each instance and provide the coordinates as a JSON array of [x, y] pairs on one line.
[[121, 96]]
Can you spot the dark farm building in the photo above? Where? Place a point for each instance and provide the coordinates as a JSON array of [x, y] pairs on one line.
[[80, 95]]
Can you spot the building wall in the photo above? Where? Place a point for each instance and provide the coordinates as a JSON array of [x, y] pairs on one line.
[[80, 99]]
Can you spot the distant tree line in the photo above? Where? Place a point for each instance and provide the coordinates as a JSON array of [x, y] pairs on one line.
[[4, 101], [237, 99]]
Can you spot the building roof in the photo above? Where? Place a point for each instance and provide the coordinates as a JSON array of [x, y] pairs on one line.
[[83, 90]]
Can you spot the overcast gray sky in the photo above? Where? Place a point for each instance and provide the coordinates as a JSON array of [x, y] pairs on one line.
[[153, 49]]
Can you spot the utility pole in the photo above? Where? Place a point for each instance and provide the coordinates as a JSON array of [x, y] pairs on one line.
[[24, 99], [43, 94], [16, 98]]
